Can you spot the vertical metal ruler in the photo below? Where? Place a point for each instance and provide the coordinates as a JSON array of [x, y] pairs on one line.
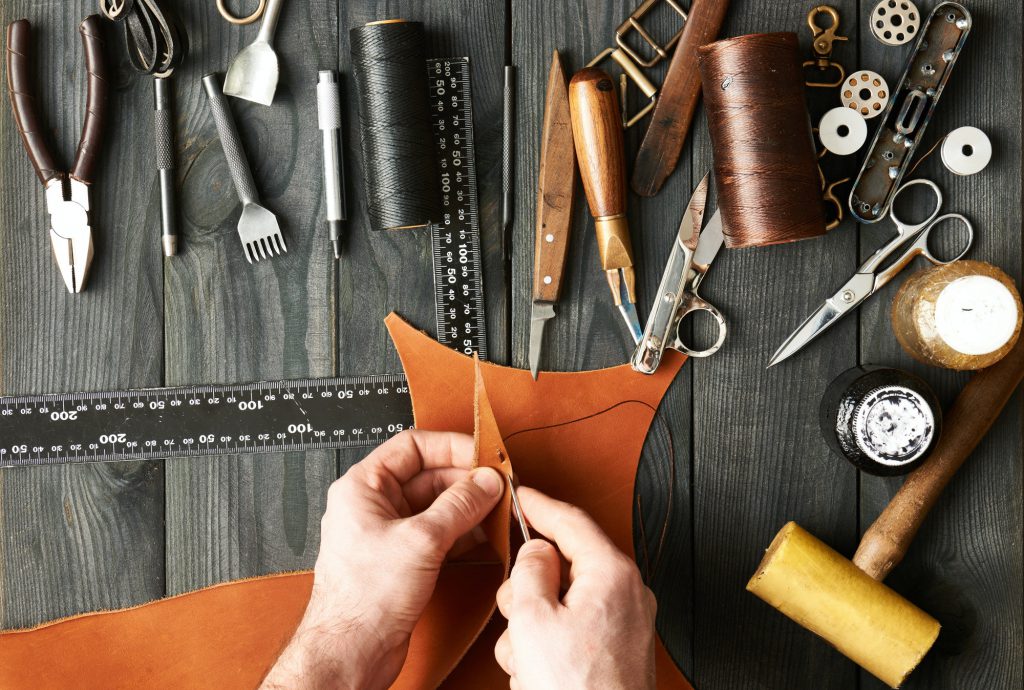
[[455, 240]]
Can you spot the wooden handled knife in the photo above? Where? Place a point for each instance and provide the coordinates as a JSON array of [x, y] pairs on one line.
[[556, 190]]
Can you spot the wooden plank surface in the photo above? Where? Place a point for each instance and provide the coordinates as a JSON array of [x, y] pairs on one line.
[[733, 453], [79, 538]]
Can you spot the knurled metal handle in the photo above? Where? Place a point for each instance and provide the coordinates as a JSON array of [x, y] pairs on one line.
[[238, 164]]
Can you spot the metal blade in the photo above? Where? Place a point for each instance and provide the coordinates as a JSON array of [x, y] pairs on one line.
[[628, 311], [541, 313], [711, 240], [856, 290], [693, 216]]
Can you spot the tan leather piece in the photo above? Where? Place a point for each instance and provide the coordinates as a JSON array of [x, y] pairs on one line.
[[577, 436]]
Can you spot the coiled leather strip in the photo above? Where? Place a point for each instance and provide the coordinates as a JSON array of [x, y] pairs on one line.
[[155, 38], [765, 165], [399, 159]]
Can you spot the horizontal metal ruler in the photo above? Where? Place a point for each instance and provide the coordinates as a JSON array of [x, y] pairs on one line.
[[267, 417], [455, 239]]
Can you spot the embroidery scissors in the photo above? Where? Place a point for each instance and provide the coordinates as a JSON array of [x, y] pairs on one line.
[[911, 240], [692, 253]]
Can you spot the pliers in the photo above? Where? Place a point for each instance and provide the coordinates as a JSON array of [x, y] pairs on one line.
[[67, 193]]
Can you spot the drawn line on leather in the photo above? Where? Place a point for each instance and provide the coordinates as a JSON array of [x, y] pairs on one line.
[[580, 419]]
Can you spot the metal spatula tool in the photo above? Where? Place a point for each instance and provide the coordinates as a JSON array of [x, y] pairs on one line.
[[253, 73], [257, 227]]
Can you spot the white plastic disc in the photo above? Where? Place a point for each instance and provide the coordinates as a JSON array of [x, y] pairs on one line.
[[895, 22], [966, 150], [843, 131], [976, 315], [865, 92]]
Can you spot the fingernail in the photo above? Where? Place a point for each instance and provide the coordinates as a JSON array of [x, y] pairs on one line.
[[488, 480]]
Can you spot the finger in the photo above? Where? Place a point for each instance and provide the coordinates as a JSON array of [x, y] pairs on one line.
[[461, 507], [503, 652], [423, 489], [537, 574], [574, 532], [503, 598], [412, 451]]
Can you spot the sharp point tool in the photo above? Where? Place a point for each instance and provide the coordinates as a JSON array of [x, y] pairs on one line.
[[67, 193], [911, 240], [328, 102], [597, 133], [556, 191], [517, 508]]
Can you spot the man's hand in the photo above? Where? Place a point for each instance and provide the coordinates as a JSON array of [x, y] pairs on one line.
[[599, 633], [390, 523]]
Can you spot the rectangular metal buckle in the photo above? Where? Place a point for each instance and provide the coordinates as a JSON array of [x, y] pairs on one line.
[[633, 24], [629, 69]]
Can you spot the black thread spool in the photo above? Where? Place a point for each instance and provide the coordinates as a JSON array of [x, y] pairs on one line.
[[884, 421], [399, 161]]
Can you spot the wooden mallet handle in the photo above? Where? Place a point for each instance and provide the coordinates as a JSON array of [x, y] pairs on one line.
[[886, 542]]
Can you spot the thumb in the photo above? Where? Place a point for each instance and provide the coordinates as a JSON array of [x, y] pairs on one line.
[[537, 573], [462, 506]]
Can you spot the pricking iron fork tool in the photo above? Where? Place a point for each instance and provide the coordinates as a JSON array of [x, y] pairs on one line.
[[693, 251], [67, 193]]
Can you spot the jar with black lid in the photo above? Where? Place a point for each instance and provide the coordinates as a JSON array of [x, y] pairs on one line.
[[885, 421]]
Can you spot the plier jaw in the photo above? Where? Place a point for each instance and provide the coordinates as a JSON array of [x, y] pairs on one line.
[[67, 201]]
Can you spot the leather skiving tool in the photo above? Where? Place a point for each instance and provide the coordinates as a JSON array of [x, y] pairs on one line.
[[556, 191], [67, 193], [599, 148], [674, 108]]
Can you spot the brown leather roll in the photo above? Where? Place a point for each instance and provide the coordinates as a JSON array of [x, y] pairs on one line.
[[23, 100], [765, 166], [96, 100]]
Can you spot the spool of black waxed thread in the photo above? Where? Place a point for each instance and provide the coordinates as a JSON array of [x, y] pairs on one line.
[[399, 161], [884, 421]]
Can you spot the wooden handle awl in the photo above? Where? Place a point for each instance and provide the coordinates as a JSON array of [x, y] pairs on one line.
[[886, 542]]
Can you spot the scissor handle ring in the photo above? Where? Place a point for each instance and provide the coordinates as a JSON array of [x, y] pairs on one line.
[[226, 13], [931, 216], [697, 304], [926, 250]]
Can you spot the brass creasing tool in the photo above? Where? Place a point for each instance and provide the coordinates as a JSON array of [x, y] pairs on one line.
[[597, 135], [517, 508]]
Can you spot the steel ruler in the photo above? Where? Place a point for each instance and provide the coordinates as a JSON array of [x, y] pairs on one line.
[[455, 240], [266, 417]]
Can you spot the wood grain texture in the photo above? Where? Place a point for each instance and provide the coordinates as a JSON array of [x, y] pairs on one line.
[[229, 321], [965, 565], [587, 331], [79, 538], [758, 458]]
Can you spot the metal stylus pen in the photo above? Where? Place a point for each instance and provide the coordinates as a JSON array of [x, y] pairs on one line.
[[328, 103], [164, 130]]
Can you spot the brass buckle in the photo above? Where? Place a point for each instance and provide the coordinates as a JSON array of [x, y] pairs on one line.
[[822, 46], [632, 63]]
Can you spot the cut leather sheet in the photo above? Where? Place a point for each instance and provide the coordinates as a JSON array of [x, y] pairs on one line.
[[577, 436]]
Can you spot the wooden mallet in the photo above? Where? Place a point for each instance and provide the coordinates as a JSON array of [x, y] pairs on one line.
[[846, 603]]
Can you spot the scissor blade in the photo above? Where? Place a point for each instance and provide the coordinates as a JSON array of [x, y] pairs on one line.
[[711, 240], [693, 216], [542, 312], [848, 298]]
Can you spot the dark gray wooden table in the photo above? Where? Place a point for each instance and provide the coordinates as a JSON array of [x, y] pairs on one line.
[[747, 452]]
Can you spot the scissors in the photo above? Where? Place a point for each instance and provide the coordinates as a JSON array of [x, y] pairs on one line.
[[692, 253], [879, 269]]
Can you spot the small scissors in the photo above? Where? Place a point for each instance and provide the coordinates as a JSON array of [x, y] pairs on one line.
[[691, 257], [911, 239]]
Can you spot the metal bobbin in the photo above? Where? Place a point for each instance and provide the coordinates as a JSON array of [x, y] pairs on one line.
[[895, 22], [865, 92], [966, 151], [843, 131]]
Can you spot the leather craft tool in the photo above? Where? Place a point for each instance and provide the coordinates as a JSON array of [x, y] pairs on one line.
[[912, 239], [822, 39], [556, 191], [254, 71], [556, 430], [67, 193], [258, 228], [328, 108], [599, 150], [265, 417], [762, 142], [156, 44], [911, 106], [633, 61], [882, 420], [846, 603], [675, 105], [693, 251], [226, 13], [508, 156], [963, 316], [517, 510], [895, 22]]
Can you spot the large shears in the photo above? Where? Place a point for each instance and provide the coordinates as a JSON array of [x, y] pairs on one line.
[[693, 250], [912, 239]]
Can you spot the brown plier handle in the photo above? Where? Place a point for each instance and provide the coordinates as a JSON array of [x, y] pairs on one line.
[[23, 102]]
